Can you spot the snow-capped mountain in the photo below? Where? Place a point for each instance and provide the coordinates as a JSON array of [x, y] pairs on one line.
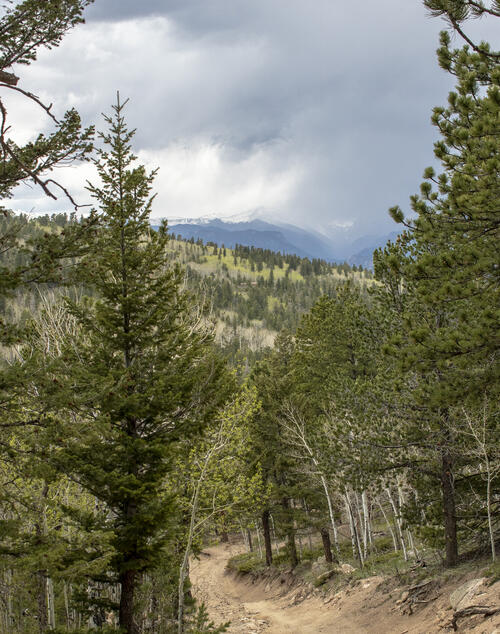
[[252, 230]]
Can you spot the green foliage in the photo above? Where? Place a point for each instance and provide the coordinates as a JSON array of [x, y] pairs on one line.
[[442, 286], [137, 376], [201, 623], [27, 27], [244, 563]]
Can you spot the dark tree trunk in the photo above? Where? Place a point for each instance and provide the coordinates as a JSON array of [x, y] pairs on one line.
[[449, 512], [126, 615], [266, 528], [249, 537], [224, 537], [292, 548], [327, 545]]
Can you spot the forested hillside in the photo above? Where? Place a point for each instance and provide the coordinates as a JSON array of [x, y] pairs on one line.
[[159, 395], [249, 294]]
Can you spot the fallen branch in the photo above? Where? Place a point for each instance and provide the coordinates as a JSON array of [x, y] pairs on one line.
[[472, 610]]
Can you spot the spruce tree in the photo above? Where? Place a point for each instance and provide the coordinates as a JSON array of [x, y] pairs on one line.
[[141, 378]]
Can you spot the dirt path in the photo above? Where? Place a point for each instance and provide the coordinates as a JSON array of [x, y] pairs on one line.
[[251, 609], [254, 608]]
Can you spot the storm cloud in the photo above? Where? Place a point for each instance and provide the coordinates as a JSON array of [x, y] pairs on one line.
[[316, 113]]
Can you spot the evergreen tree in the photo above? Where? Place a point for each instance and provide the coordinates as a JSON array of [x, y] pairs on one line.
[[271, 377], [449, 343], [142, 376]]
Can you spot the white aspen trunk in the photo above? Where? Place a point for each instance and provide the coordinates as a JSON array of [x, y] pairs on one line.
[[351, 527], [408, 534], [300, 434], [488, 505], [397, 517], [330, 511], [184, 568], [327, 492], [361, 525], [389, 526], [243, 535], [51, 613], [366, 513], [411, 543], [356, 545], [488, 501]]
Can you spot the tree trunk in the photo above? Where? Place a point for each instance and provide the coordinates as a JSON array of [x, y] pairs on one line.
[[51, 613], [399, 523], [356, 546], [450, 520], [41, 531], [249, 539], [42, 601], [327, 545], [266, 528], [292, 548], [126, 613]]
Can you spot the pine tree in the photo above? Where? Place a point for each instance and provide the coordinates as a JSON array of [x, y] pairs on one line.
[[271, 377], [449, 340], [143, 375], [26, 27]]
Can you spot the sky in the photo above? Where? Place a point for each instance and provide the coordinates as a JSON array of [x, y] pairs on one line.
[[313, 113]]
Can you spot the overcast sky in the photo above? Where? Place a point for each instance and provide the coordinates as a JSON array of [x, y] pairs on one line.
[[316, 113]]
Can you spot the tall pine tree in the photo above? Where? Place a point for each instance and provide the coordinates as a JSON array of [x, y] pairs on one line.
[[142, 376]]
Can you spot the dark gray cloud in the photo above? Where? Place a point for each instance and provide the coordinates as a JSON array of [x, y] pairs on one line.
[[317, 112]]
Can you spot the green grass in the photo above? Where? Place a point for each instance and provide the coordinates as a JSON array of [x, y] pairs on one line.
[[492, 572]]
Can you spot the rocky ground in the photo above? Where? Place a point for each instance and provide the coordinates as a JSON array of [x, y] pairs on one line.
[[285, 605]]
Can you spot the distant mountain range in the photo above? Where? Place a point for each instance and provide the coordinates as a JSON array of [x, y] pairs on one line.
[[281, 237]]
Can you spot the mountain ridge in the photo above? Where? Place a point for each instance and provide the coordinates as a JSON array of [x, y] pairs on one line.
[[284, 238]]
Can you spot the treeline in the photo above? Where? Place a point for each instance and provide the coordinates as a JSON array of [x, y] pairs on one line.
[[260, 258], [381, 409]]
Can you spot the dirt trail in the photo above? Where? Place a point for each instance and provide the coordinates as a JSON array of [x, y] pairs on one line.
[[251, 609], [256, 607]]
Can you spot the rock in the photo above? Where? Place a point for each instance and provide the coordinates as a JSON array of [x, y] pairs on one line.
[[404, 595], [324, 577], [347, 569], [296, 598], [463, 596]]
